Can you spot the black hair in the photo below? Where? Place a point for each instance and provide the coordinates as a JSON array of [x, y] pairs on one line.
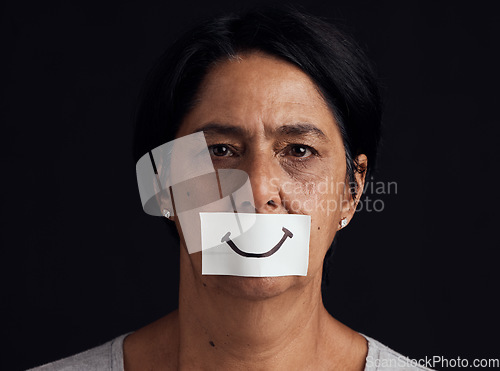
[[332, 60]]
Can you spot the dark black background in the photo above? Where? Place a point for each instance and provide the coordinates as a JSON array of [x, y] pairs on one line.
[[80, 261]]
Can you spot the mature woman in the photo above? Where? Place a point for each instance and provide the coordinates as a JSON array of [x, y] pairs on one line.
[[291, 102]]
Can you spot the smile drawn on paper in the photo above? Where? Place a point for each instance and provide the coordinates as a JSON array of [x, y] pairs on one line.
[[232, 245]]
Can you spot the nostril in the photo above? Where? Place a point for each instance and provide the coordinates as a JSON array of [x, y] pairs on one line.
[[271, 203]]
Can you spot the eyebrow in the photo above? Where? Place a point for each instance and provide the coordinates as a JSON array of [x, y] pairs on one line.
[[300, 129], [295, 129], [216, 128]]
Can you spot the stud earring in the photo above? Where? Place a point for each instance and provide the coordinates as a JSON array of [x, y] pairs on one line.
[[166, 213], [343, 222]]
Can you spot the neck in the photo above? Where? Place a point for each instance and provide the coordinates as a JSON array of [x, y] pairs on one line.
[[276, 323]]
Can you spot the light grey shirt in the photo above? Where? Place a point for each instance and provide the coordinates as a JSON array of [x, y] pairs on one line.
[[109, 357]]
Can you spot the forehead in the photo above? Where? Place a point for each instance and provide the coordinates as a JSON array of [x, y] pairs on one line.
[[258, 91]]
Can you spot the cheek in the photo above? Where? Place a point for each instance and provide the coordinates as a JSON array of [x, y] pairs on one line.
[[317, 192], [321, 198]]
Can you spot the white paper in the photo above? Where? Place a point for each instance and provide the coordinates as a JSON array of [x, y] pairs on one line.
[[268, 245]]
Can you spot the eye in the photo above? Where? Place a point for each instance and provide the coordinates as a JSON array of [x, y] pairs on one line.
[[220, 150], [299, 150]]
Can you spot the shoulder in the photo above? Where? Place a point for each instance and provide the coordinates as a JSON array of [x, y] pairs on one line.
[[108, 356], [382, 358]]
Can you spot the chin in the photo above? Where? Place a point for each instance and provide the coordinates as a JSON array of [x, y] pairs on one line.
[[253, 288]]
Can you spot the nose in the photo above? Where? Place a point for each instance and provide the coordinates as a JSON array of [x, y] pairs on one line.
[[264, 177]]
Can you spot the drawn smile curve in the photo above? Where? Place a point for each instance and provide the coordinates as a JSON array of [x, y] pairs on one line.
[[232, 245]]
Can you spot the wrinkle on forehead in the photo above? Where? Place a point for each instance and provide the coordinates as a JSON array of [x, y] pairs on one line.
[[292, 81], [257, 89]]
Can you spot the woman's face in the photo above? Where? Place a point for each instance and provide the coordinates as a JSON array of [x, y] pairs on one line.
[[266, 117]]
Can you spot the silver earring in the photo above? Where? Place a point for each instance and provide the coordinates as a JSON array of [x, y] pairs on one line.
[[343, 222], [166, 213]]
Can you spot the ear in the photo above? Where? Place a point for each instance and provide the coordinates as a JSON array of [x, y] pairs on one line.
[[163, 195], [353, 192]]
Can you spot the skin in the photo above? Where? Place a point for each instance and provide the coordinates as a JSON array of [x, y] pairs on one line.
[[266, 117]]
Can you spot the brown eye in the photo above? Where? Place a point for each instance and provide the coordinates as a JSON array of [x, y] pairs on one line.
[[220, 150], [300, 151]]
